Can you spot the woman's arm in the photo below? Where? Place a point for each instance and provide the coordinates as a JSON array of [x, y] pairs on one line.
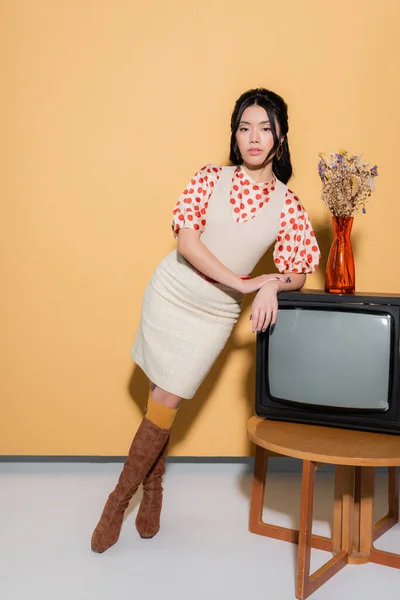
[[297, 280], [265, 305], [195, 252]]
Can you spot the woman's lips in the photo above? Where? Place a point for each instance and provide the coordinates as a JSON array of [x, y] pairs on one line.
[[254, 151]]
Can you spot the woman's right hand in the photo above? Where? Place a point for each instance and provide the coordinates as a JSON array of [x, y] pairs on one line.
[[253, 285]]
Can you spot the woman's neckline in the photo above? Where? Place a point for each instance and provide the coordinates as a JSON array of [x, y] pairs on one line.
[[255, 181]]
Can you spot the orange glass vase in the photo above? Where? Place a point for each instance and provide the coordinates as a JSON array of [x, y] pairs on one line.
[[340, 274]]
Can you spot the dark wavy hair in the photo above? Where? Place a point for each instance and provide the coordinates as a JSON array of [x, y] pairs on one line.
[[277, 111]]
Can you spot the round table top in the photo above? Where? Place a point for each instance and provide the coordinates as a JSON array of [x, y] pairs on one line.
[[325, 444]]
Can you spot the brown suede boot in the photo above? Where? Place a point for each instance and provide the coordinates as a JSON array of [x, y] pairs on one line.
[[146, 447], [148, 517]]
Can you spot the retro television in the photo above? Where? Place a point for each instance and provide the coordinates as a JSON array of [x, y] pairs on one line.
[[332, 360]]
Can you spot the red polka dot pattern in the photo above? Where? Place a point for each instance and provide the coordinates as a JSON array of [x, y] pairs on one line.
[[244, 194], [296, 249]]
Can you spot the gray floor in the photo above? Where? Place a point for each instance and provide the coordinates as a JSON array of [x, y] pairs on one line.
[[204, 549]]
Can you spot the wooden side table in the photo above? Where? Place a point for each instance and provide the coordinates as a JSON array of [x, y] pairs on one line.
[[354, 454]]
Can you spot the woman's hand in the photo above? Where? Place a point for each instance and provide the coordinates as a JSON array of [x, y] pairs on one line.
[[265, 307], [253, 285]]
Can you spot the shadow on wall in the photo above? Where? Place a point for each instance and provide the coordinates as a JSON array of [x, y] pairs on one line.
[[324, 234], [139, 385], [190, 409]]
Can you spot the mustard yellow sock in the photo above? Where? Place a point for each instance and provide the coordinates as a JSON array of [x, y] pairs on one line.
[[160, 415]]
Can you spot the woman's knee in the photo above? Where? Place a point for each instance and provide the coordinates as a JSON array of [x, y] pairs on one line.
[[164, 397]]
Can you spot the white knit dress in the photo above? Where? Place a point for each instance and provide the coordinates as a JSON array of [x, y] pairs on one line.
[[187, 320]]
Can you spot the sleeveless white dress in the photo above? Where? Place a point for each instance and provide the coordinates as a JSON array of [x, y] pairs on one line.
[[187, 320]]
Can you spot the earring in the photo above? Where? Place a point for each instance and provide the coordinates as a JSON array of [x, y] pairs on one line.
[[279, 152]]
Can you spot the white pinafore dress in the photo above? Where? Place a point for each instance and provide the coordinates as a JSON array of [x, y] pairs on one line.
[[187, 320]]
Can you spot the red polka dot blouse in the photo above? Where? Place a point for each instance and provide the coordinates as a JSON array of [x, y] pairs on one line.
[[296, 249]]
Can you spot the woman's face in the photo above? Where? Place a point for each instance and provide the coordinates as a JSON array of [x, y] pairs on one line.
[[254, 135]]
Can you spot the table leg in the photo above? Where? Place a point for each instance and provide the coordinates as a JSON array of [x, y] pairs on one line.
[[366, 509], [381, 557], [392, 516], [364, 532], [256, 522], [362, 516], [306, 584], [343, 511], [356, 511]]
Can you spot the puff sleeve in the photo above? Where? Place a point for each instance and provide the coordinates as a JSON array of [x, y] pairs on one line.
[[191, 209], [296, 248]]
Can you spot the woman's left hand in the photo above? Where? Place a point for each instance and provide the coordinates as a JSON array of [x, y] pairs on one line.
[[265, 307]]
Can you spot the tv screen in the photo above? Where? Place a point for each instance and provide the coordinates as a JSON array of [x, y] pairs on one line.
[[336, 358]]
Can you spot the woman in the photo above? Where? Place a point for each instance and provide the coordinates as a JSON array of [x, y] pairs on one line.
[[224, 222]]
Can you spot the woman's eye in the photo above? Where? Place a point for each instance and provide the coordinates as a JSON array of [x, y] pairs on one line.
[[243, 128], [267, 128]]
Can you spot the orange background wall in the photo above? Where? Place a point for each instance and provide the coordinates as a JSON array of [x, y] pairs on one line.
[[108, 108]]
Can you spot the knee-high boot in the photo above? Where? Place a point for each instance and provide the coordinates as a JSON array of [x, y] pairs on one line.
[[146, 447], [148, 517]]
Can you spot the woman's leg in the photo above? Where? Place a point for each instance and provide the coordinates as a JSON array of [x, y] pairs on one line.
[[147, 446], [148, 517]]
